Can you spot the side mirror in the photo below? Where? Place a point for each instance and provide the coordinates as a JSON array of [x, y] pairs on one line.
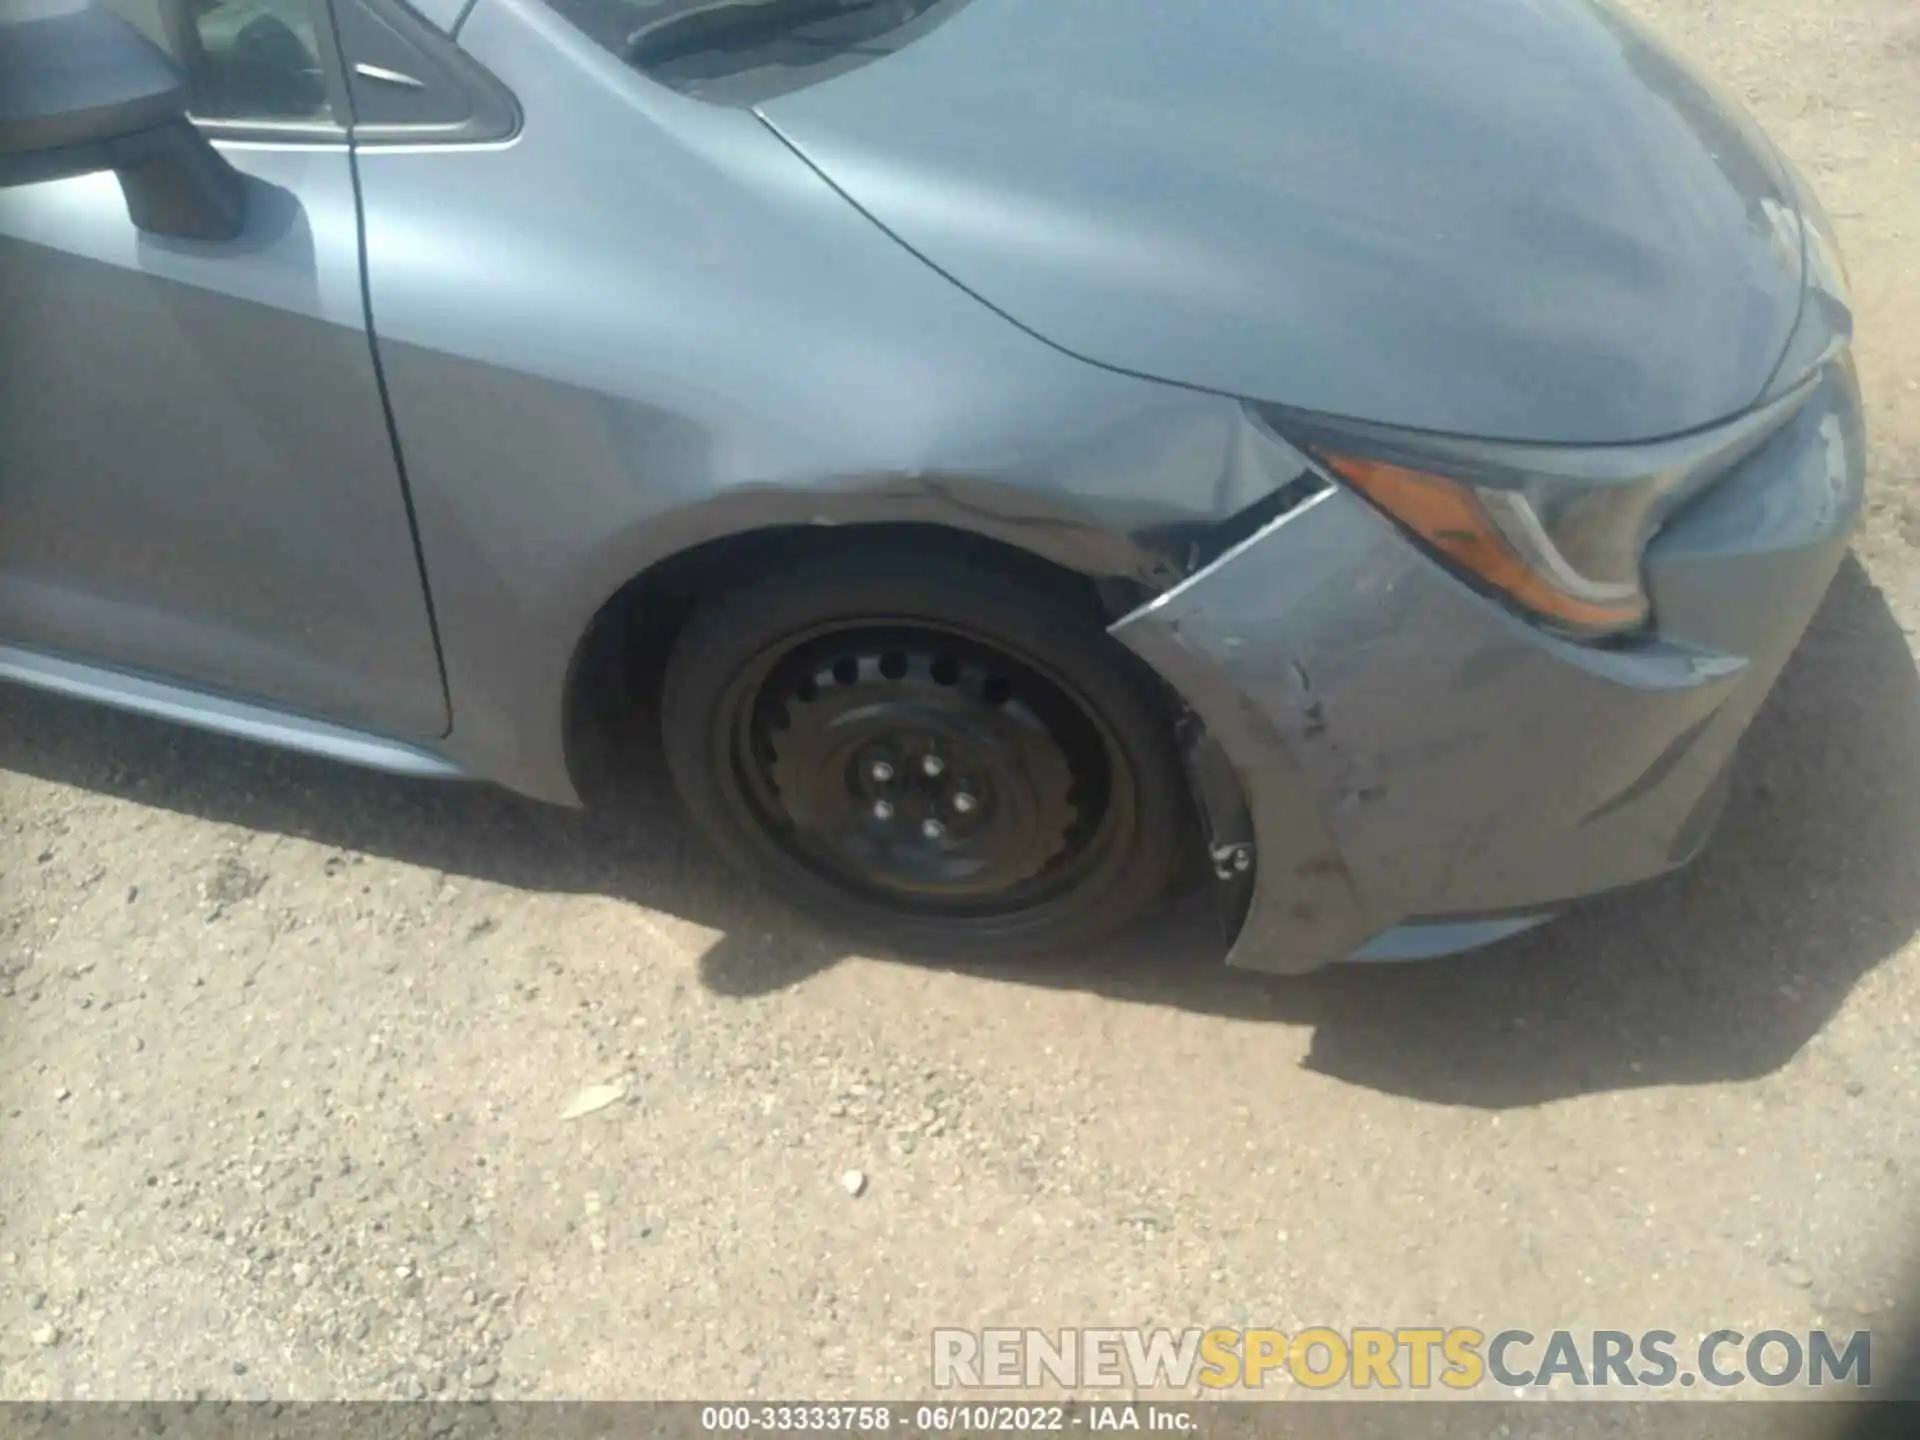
[[82, 91]]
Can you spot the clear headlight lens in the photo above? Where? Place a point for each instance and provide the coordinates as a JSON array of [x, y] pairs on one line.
[[1558, 532], [1571, 557]]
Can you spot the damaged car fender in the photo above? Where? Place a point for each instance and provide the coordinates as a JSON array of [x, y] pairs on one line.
[[1360, 691]]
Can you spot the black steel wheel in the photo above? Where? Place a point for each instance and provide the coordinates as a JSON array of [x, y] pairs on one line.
[[939, 757]]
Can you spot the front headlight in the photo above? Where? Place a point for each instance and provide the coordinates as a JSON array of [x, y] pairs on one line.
[[1570, 555], [1559, 532]]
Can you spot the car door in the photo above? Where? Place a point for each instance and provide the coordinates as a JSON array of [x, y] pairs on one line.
[[197, 477]]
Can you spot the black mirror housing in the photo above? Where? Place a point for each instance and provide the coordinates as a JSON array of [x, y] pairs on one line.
[[176, 183], [81, 91]]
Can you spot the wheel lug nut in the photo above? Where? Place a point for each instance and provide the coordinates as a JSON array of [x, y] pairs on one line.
[[964, 803], [881, 772], [932, 829], [882, 810], [933, 767]]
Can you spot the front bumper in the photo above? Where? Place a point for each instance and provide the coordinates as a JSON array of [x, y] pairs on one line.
[[1414, 758]]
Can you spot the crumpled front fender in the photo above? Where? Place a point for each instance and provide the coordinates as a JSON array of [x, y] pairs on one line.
[[1426, 770], [1304, 910], [1409, 750]]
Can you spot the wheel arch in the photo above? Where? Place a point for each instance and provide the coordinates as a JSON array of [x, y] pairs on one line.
[[621, 649], [631, 588]]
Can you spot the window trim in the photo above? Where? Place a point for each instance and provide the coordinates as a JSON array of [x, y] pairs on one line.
[[331, 131], [271, 132], [494, 119], [494, 113]]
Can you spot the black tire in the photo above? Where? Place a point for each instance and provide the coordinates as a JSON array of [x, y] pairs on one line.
[[777, 694]]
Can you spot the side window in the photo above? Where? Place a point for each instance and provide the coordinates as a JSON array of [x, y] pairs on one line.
[[244, 59]]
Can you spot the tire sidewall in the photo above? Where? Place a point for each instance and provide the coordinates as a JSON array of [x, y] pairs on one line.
[[735, 632]]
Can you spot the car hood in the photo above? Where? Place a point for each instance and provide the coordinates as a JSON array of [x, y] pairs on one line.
[[1516, 219]]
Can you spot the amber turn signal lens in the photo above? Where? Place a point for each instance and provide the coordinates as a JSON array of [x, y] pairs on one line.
[[1450, 518]]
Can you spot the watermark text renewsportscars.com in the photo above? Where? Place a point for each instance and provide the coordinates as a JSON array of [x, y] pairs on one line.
[[1405, 1358]]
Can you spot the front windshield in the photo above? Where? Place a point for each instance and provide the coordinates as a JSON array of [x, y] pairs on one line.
[[741, 51]]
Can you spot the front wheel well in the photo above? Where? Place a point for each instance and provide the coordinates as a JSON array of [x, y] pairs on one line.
[[620, 660]]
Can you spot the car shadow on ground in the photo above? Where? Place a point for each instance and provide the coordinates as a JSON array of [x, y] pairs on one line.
[[1720, 973]]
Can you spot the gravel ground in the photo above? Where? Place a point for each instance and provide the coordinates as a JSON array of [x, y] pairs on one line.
[[286, 1051]]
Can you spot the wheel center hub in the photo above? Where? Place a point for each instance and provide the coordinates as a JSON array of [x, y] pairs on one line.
[[920, 772]]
